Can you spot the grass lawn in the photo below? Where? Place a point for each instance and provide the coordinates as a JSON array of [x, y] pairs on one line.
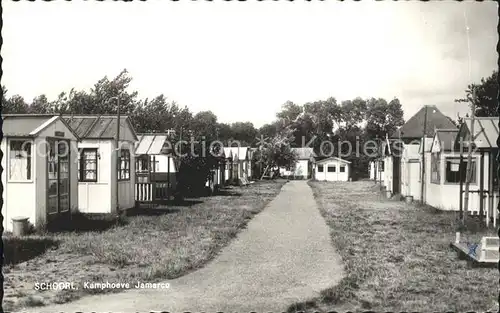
[[148, 245], [397, 256]]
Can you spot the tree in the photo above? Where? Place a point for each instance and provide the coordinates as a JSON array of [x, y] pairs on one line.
[[15, 105], [224, 132], [276, 153], [289, 112], [105, 89], [40, 105], [244, 132], [383, 118], [486, 95]]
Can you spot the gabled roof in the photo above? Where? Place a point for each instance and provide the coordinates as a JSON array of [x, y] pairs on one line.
[[414, 127], [333, 158], [485, 129], [304, 153], [150, 144], [446, 139], [392, 146], [228, 153], [29, 125], [97, 126], [237, 152], [428, 144]]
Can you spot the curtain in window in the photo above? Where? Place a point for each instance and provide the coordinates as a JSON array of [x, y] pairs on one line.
[[20, 160]]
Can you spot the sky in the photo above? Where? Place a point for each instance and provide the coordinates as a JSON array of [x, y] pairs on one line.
[[243, 60]]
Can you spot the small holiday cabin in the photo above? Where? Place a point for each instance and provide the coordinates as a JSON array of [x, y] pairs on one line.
[[333, 169], [156, 169], [484, 145], [97, 164], [40, 174]]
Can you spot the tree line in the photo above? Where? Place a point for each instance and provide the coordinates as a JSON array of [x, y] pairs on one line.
[[296, 125]]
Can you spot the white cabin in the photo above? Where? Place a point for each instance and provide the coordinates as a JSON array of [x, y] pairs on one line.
[[40, 173], [333, 169], [97, 168]]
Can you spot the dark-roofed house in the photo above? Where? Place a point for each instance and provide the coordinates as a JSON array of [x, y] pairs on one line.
[[413, 129], [40, 179], [97, 165], [485, 152], [401, 167]]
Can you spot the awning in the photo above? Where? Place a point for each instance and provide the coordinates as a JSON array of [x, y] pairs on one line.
[[150, 144]]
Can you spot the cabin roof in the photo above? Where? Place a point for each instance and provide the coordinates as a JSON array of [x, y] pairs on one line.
[[29, 125], [333, 158], [97, 126], [240, 152], [428, 144], [304, 153], [485, 129], [446, 138], [414, 127], [150, 144]]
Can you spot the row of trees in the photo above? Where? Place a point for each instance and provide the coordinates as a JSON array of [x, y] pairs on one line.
[[355, 121]]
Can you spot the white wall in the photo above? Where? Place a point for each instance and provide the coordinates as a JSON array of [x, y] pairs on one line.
[[332, 176], [163, 166], [446, 196], [410, 167], [301, 168], [99, 197], [29, 198], [387, 173], [95, 197], [19, 197]]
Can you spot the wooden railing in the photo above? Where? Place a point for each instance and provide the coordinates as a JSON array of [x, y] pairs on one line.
[[148, 192], [144, 192]]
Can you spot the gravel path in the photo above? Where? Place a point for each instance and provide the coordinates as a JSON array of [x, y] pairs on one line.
[[284, 256]]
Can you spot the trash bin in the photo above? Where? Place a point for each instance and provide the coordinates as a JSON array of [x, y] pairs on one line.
[[388, 194], [20, 225]]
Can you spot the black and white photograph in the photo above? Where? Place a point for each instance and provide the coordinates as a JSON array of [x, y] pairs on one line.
[[250, 156]]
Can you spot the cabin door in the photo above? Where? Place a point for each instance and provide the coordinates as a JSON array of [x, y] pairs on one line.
[[413, 177], [58, 181], [396, 174]]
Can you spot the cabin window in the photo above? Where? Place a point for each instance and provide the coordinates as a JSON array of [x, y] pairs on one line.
[[20, 160], [453, 170], [320, 168], [435, 168], [331, 169], [155, 164], [381, 165], [87, 167], [342, 169], [124, 165]]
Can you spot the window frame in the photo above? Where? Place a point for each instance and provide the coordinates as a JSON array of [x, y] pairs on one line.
[[321, 168], [82, 169], [474, 170], [29, 165], [123, 153], [342, 169], [435, 168], [334, 167]]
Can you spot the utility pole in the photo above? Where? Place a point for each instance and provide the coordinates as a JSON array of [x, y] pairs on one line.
[[422, 180], [117, 149], [468, 175]]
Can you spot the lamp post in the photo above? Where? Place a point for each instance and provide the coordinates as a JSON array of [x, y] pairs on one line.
[[117, 149]]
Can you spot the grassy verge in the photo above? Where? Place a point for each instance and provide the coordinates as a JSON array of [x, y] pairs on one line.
[[151, 245], [397, 256]]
